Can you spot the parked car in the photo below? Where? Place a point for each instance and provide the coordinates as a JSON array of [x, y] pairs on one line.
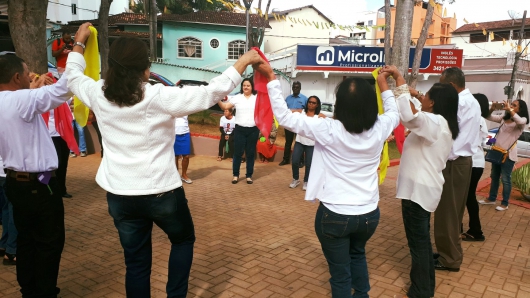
[[155, 78], [523, 144], [327, 109]]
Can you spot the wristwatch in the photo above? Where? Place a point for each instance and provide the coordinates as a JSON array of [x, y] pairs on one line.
[[78, 43]]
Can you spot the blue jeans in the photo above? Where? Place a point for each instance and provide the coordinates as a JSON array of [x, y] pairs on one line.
[[245, 139], [9, 232], [343, 239], [503, 171], [417, 228], [298, 152], [81, 134], [134, 217]]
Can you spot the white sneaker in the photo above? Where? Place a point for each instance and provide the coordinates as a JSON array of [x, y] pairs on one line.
[[501, 208], [294, 184], [305, 186], [486, 202]]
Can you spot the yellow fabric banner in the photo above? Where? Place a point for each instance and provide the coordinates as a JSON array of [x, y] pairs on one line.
[[92, 70], [385, 160]]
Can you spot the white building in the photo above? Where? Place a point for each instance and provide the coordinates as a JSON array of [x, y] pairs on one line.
[[360, 36], [64, 11]]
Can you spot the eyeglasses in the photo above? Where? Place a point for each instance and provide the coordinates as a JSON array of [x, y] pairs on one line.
[[312, 102]]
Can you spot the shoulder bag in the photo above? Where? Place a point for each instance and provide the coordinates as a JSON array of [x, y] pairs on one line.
[[497, 155]]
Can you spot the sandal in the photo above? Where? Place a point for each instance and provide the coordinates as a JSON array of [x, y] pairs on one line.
[[235, 180], [471, 238], [249, 180], [10, 259], [219, 158]]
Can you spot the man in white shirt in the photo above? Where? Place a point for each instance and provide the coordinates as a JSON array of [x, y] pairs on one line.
[[30, 159], [457, 175]]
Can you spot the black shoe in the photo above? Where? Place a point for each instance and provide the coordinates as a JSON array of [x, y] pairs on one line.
[[435, 255], [439, 266], [10, 261], [284, 162], [67, 195]]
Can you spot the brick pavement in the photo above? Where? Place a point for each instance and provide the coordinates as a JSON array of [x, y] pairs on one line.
[[258, 241]]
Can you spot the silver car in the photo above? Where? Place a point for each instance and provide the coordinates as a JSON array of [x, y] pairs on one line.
[[326, 108], [523, 144]]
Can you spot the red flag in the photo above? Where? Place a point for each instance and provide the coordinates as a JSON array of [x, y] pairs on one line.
[[399, 137], [263, 111]]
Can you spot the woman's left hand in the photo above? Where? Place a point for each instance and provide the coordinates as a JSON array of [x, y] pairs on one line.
[[507, 106]]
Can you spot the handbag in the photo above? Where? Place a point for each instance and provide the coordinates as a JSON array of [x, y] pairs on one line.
[[497, 155]]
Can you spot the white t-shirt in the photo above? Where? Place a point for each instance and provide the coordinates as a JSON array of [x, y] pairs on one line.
[[478, 157], [181, 125], [51, 125], [244, 109], [2, 173], [303, 140], [228, 125]]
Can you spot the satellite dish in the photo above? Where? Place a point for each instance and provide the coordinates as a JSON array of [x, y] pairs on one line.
[[514, 15]]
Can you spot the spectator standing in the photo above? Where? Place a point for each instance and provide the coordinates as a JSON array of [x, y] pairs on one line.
[[60, 50], [226, 127], [29, 155], [8, 241], [457, 176], [512, 126], [182, 146], [80, 134], [295, 101]]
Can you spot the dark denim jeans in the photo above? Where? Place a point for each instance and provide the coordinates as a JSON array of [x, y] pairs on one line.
[[475, 229], [343, 239], [134, 217], [417, 228], [245, 139], [298, 153], [9, 232], [503, 171]]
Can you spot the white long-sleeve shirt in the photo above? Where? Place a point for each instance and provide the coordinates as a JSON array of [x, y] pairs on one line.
[[344, 166], [466, 144], [425, 153], [478, 157], [138, 140], [25, 142]]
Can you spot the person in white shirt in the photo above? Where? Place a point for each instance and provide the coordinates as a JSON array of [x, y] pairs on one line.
[[182, 146], [305, 145], [347, 154], [31, 186], [457, 175], [433, 125], [246, 134], [475, 229], [226, 127], [137, 123]]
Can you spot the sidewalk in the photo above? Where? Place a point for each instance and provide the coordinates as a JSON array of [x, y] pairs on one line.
[[259, 241]]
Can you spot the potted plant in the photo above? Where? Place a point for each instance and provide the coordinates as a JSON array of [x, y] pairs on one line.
[[521, 180]]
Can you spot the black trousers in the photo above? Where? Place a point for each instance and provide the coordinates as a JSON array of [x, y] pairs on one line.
[[38, 212], [62, 154], [475, 229], [289, 138], [222, 144]]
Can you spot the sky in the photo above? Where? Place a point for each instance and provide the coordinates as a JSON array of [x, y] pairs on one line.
[[340, 11]]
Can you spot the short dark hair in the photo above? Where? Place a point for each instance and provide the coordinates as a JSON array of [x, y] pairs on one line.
[[251, 84], [297, 83], [356, 105], [66, 32], [9, 66], [453, 75], [523, 110], [484, 103], [445, 99], [128, 60], [319, 104]]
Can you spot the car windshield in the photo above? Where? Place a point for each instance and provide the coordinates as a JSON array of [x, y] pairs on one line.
[[326, 108]]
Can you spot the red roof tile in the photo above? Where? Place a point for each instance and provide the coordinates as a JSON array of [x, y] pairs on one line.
[[214, 17], [495, 25]]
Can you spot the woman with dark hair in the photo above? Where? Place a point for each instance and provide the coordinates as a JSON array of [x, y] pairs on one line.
[[246, 134], [433, 125], [305, 145], [137, 122], [347, 154], [512, 126], [475, 229]]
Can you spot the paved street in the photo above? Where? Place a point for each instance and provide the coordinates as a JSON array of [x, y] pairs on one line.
[[258, 241]]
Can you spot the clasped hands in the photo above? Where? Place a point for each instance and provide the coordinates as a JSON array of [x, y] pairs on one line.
[[38, 81]]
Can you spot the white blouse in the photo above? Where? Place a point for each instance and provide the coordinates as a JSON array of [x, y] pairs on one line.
[[478, 157], [244, 109]]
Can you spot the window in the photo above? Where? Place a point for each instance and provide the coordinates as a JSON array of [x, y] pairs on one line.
[[236, 48], [370, 22], [381, 29], [478, 37], [381, 40], [499, 35], [74, 9], [189, 47], [360, 24], [214, 43]]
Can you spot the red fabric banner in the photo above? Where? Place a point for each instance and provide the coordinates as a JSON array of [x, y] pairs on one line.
[[263, 112]]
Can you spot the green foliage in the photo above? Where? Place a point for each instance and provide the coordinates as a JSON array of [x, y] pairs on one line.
[[521, 179], [204, 118], [393, 152], [187, 6]]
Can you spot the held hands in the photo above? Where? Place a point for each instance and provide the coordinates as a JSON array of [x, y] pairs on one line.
[[39, 81], [226, 137], [389, 70], [83, 33]]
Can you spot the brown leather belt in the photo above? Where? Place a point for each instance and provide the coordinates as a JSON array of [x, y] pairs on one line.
[[24, 176]]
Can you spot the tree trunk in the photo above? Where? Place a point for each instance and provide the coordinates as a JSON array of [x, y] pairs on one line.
[[27, 24], [103, 35], [388, 42], [152, 30], [413, 79], [402, 34], [259, 33]]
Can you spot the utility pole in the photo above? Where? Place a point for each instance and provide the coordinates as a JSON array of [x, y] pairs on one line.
[[510, 92], [248, 3], [153, 30]]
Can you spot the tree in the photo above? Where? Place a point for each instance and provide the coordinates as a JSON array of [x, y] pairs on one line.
[[151, 12], [388, 44], [419, 46], [103, 35], [402, 34], [257, 34], [27, 22]]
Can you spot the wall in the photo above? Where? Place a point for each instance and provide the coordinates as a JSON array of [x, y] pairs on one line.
[[61, 11], [483, 49], [295, 33]]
